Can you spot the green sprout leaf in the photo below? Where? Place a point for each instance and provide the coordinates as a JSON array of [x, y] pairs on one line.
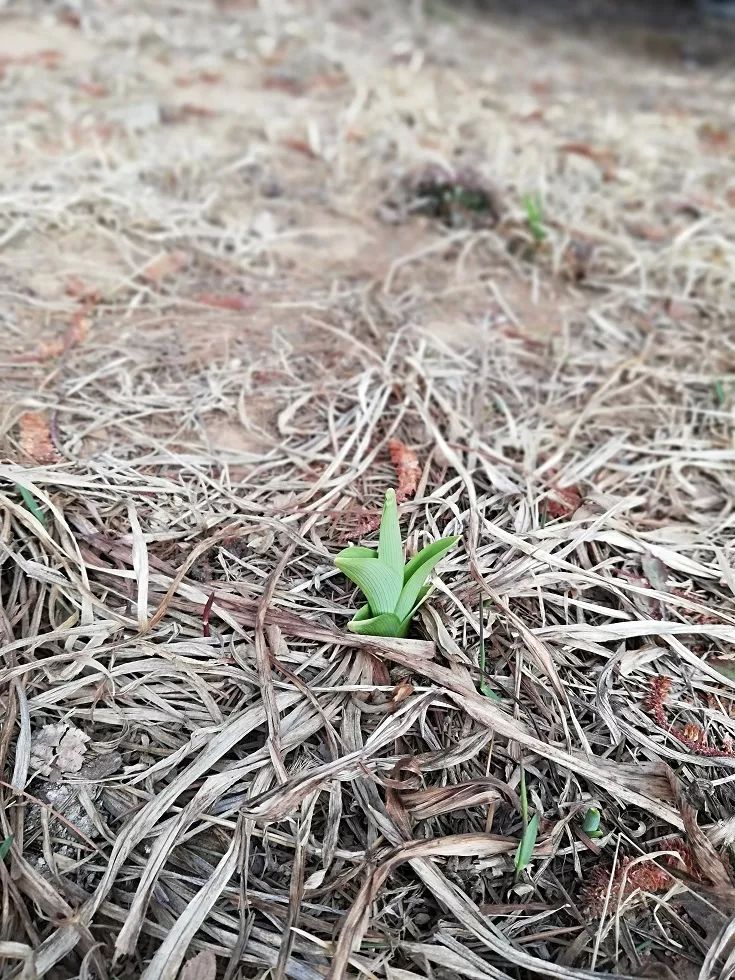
[[591, 825], [426, 554], [30, 502], [527, 844], [393, 591], [535, 217], [380, 583], [390, 547], [410, 592], [356, 552], [387, 624], [5, 846]]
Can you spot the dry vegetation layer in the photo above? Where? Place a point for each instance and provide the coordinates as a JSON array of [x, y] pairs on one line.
[[244, 247]]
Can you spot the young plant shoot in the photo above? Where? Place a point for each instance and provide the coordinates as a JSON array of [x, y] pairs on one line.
[[393, 590]]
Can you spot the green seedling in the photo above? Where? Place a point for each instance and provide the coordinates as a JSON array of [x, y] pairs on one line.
[[527, 844], [591, 825], [5, 846], [33, 507], [535, 217], [524, 852], [393, 590]]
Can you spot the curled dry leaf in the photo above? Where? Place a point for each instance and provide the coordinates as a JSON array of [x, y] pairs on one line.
[[226, 301], [408, 469], [603, 158], [79, 290], [164, 265], [563, 502], [75, 334], [35, 438], [608, 887]]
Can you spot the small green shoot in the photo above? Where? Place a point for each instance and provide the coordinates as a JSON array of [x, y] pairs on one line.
[[527, 844], [5, 846], [524, 853], [723, 395], [591, 825], [393, 590], [31, 504], [535, 217]]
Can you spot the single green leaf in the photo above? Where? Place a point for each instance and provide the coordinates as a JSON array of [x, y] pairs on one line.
[[356, 551], [410, 591], [535, 217], [527, 844], [406, 624], [387, 624], [362, 613], [380, 583], [723, 666], [390, 548], [591, 825], [5, 846], [443, 544], [30, 502]]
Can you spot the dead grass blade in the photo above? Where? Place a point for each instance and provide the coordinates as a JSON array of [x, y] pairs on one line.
[[170, 955]]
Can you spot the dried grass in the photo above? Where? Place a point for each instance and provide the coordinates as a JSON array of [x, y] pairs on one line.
[[253, 782]]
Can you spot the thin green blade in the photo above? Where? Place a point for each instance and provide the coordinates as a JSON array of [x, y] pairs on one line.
[[412, 588], [390, 548], [5, 846], [380, 583], [527, 844], [384, 625], [30, 502], [356, 551], [427, 553], [406, 621]]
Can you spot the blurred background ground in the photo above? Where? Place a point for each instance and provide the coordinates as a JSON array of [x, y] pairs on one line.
[[244, 244]]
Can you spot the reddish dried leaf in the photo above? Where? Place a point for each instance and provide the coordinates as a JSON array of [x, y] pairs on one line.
[[657, 694], [694, 737], [226, 301], [679, 310], [299, 146], [164, 265], [648, 231], [563, 502], [187, 110], [95, 90], [408, 469], [35, 438], [78, 289], [75, 334], [603, 158], [629, 877], [283, 83], [205, 77], [714, 137], [46, 58]]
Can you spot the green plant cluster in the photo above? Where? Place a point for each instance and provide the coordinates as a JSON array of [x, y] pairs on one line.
[[393, 589]]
